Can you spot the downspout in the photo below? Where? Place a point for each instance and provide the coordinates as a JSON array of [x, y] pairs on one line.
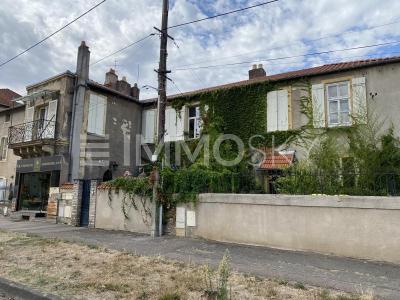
[[71, 129]]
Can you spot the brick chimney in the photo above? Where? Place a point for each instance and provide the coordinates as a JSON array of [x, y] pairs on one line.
[[82, 62], [124, 87], [135, 92], [111, 79], [257, 71]]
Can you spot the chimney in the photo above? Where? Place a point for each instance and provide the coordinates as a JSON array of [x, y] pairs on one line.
[[257, 71], [111, 79], [123, 86], [135, 92], [83, 60]]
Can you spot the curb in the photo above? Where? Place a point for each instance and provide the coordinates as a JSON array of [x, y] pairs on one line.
[[24, 292]]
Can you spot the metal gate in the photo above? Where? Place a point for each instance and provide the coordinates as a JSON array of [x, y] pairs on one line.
[[85, 204]]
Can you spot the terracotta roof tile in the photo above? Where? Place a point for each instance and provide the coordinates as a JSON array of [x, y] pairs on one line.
[[6, 95], [277, 161], [320, 70]]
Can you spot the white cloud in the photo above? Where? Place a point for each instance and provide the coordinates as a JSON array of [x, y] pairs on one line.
[[245, 36]]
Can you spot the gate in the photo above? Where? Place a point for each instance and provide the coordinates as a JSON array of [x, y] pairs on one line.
[[85, 203]]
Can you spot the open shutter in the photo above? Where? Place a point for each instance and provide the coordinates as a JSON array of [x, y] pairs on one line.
[[359, 112], [283, 110], [170, 127], [318, 102], [50, 124], [272, 111], [29, 115], [180, 125], [148, 126]]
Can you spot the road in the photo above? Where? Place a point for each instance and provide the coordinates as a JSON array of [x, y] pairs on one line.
[[346, 274]]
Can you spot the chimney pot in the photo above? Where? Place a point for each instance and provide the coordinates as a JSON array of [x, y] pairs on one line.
[[111, 79], [257, 72]]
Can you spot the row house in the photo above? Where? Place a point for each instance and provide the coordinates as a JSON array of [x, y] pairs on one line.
[[340, 93], [73, 131]]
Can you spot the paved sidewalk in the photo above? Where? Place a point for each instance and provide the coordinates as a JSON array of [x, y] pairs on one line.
[[345, 274]]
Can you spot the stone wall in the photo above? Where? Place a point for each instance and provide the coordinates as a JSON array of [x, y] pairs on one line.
[[359, 227]]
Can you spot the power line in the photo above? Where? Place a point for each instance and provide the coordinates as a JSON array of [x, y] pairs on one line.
[[290, 44], [124, 48], [223, 14], [187, 23], [288, 57], [54, 33]]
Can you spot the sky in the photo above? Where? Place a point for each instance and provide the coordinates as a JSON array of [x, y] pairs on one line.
[[280, 29]]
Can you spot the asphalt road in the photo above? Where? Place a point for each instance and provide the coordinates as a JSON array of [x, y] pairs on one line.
[[350, 275]]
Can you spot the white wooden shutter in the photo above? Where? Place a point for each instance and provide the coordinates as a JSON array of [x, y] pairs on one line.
[[91, 127], [148, 126], [272, 111], [29, 115], [318, 102], [180, 125], [170, 126], [50, 124], [359, 100], [283, 110]]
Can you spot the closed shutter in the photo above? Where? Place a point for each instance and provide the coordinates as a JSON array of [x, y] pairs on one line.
[[359, 98], [283, 110], [49, 129], [148, 126], [180, 125], [318, 102], [97, 114], [3, 189], [272, 111], [29, 115], [170, 126]]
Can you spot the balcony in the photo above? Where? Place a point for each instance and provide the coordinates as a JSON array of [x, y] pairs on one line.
[[32, 138]]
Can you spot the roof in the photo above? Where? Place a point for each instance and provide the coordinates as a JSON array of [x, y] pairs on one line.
[[6, 95], [111, 90], [277, 161], [55, 77], [309, 72]]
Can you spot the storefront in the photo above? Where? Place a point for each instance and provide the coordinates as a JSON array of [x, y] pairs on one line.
[[35, 177]]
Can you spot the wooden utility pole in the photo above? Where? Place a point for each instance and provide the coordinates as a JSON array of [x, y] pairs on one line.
[[162, 101]]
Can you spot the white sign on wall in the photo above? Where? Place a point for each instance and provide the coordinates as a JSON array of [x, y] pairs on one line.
[[180, 217], [191, 218]]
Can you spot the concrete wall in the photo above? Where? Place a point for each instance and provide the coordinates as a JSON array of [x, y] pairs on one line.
[[109, 214], [359, 227]]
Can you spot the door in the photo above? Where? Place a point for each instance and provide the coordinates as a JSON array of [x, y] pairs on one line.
[[85, 203]]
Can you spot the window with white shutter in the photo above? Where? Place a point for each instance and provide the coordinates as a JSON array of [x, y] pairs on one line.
[[194, 122], [97, 114], [29, 115], [173, 125], [338, 96], [50, 122], [277, 111], [148, 126]]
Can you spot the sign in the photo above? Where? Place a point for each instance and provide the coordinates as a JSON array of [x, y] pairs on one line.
[[40, 164]]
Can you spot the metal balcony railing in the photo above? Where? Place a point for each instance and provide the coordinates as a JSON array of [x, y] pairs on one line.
[[31, 131]]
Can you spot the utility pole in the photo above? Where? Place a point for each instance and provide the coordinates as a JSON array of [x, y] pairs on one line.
[[162, 100]]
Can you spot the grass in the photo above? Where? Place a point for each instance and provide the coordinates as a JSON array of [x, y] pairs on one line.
[[76, 271]]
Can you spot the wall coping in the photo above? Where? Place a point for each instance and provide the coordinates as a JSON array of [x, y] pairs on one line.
[[340, 201]]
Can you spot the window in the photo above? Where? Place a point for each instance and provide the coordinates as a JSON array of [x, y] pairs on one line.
[[97, 114], [148, 126], [194, 122], [8, 117], [338, 95], [3, 148]]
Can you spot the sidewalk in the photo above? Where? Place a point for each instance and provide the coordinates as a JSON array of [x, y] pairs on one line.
[[345, 274]]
